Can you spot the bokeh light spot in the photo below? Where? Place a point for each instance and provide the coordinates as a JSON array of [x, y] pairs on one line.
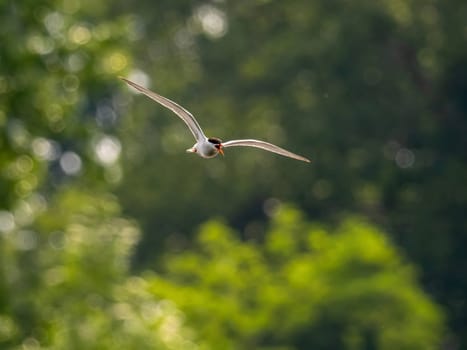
[[45, 149], [70, 163], [213, 21], [31, 344], [40, 45], [7, 221], [24, 164], [405, 158], [79, 34], [24, 213], [26, 186], [115, 62], [54, 112], [70, 82], [105, 115], [107, 150], [54, 23], [75, 62], [57, 240]]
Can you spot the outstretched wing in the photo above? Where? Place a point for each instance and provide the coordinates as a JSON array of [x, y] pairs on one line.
[[266, 146], [186, 116]]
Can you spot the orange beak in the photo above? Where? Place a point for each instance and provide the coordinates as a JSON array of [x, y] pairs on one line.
[[221, 151]]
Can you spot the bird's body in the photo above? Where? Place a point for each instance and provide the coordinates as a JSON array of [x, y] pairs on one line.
[[209, 147], [205, 149]]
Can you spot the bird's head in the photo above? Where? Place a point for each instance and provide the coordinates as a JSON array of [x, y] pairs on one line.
[[217, 144], [207, 149]]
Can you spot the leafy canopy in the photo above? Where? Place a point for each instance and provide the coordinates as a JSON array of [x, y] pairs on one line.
[[304, 287]]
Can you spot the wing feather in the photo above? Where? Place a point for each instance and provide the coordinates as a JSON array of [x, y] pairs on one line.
[[265, 146], [186, 116]]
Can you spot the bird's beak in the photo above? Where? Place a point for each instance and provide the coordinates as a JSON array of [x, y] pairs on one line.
[[191, 150], [221, 151]]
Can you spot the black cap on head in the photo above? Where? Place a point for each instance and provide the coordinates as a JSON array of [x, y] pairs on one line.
[[215, 140]]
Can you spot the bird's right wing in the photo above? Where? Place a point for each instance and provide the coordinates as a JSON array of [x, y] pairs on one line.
[[266, 146], [186, 116]]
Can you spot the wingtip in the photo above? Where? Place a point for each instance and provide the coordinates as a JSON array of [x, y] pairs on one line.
[[131, 84], [303, 159]]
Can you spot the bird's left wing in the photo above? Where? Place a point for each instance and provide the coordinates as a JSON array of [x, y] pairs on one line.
[[186, 116], [266, 146]]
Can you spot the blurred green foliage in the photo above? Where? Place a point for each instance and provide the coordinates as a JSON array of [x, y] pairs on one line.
[[99, 204], [57, 69], [303, 287], [65, 283]]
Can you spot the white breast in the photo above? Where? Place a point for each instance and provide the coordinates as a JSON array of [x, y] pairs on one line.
[[206, 149]]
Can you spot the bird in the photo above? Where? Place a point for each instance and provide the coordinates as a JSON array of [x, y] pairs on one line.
[[209, 147]]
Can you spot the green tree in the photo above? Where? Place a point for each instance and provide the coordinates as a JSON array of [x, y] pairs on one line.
[[64, 246], [66, 283], [59, 63], [304, 287]]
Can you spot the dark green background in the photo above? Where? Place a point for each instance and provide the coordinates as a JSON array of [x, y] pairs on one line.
[[111, 236]]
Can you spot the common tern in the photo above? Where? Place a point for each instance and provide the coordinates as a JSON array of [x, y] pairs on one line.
[[209, 147]]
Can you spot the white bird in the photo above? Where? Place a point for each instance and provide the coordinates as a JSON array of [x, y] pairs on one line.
[[209, 147]]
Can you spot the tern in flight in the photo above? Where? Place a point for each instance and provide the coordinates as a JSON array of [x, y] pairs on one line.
[[209, 147]]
